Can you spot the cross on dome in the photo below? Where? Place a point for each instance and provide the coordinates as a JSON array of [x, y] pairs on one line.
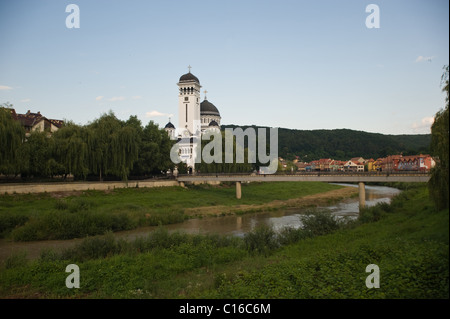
[[205, 94], [189, 67]]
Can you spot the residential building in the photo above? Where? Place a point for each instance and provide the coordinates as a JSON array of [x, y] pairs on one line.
[[36, 122]]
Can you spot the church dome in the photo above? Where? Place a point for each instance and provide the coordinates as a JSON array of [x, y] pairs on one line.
[[189, 77], [207, 108], [169, 125]]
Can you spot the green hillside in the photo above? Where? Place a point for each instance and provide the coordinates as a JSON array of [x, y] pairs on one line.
[[342, 144]]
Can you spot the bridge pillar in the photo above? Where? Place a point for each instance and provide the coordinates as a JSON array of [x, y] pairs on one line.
[[362, 195], [238, 190]]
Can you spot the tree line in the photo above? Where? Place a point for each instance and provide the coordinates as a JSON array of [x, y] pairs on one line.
[[343, 144], [105, 148]]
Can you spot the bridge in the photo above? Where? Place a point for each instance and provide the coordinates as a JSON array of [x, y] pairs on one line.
[[328, 177]]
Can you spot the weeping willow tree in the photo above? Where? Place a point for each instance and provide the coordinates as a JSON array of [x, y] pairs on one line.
[[12, 136], [438, 184], [36, 155], [70, 150], [112, 146]]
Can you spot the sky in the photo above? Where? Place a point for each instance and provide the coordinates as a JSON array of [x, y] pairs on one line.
[[278, 63]]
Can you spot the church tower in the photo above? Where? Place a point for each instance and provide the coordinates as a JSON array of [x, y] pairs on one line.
[[194, 118], [170, 129], [189, 105]]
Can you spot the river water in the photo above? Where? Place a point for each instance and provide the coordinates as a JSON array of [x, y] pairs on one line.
[[226, 225]]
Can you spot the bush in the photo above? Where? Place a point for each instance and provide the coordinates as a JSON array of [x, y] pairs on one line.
[[67, 225], [378, 211], [261, 240], [320, 223], [80, 204], [289, 235], [9, 221], [17, 259], [371, 214], [92, 248]]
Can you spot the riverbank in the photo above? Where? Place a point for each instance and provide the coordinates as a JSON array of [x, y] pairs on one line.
[[315, 200], [50, 216], [408, 240]]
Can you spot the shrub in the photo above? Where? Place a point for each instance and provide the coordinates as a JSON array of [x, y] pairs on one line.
[[17, 259], [320, 223], [66, 225], [9, 221], [261, 240], [371, 214], [80, 204], [374, 213], [92, 248], [290, 235]]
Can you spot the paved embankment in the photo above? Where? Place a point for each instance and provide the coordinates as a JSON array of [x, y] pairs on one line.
[[25, 188]]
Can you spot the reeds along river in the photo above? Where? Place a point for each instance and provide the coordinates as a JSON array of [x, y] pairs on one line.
[[226, 225]]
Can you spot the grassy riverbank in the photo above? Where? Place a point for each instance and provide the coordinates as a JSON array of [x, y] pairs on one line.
[[408, 240], [76, 215]]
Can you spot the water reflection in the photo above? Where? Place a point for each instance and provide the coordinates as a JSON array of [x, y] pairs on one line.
[[291, 217]]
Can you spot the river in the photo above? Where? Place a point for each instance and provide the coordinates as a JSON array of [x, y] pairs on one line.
[[226, 225]]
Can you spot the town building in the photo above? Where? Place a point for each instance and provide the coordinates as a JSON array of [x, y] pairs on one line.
[[36, 122], [351, 166]]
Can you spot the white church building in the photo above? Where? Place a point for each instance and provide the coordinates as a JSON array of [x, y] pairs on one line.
[[194, 118]]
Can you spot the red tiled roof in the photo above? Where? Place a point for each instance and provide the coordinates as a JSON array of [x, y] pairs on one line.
[[30, 119], [57, 123]]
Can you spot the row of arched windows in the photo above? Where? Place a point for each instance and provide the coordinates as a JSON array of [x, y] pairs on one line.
[[205, 120], [190, 90], [186, 151]]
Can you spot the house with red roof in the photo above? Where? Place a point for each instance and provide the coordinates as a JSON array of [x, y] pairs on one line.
[[36, 122]]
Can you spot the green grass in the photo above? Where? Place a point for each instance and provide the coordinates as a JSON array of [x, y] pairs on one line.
[[409, 243], [408, 240], [41, 216]]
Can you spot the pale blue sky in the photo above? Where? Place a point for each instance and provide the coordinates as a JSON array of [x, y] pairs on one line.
[[294, 64]]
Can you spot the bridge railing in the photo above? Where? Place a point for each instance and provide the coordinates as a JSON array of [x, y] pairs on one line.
[[317, 173]]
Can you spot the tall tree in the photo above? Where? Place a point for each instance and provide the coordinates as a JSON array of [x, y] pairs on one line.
[[154, 151], [112, 146], [12, 136], [438, 184], [70, 150], [37, 154]]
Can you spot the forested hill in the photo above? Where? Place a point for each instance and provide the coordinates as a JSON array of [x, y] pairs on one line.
[[342, 144]]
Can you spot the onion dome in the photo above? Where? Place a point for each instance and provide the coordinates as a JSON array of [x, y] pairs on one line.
[[189, 77], [207, 108], [169, 125]]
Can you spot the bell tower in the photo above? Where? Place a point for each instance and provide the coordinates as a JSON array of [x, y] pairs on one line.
[[189, 105]]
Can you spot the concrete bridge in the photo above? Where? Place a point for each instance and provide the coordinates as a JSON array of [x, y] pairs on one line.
[[329, 177]]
